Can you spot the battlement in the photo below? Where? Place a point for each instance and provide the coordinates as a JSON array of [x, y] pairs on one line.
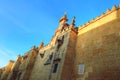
[[46, 47], [19, 58], [112, 13], [3, 69], [10, 64]]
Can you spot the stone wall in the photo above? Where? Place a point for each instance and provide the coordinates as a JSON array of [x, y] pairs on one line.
[[91, 53], [97, 48], [41, 71], [5, 71], [69, 57], [15, 69]]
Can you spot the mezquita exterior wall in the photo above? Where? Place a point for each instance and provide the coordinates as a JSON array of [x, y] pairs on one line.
[[89, 52]]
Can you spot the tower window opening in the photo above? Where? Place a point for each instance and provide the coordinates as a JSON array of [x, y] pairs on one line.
[[41, 55], [81, 68], [60, 41], [55, 68]]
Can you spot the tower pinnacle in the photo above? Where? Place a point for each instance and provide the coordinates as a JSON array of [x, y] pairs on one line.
[[73, 21], [64, 18]]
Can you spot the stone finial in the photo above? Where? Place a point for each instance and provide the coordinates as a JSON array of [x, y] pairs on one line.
[[108, 11], [119, 6], [97, 18], [64, 17], [41, 45], [102, 15], [33, 47], [65, 13], [114, 8], [73, 21]]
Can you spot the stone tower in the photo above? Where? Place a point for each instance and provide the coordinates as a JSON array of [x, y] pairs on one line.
[[55, 59]]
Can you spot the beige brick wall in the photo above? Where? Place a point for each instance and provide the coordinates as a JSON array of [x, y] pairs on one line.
[[98, 47]]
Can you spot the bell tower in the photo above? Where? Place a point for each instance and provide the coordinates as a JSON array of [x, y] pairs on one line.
[[62, 23], [63, 20]]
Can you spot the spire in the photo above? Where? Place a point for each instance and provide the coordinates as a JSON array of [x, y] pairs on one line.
[[118, 6], [73, 21], [41, 45], [65, 13], [64, 18]]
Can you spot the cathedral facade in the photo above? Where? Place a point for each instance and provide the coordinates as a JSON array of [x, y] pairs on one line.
[[89, 52]]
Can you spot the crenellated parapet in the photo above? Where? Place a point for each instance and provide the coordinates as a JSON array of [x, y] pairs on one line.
[[19, 58], [1, 71], [108, 11], [9, 66], [6, 70]]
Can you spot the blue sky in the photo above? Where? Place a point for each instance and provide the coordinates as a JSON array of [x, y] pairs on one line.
[[24, 23]]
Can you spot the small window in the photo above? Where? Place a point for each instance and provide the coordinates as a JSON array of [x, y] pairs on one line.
[[60, 41], [41, 55], [81, 68], [63, 38], [50, 57], [55, 68]]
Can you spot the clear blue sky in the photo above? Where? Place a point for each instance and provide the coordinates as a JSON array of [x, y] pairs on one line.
[[24, 23]]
